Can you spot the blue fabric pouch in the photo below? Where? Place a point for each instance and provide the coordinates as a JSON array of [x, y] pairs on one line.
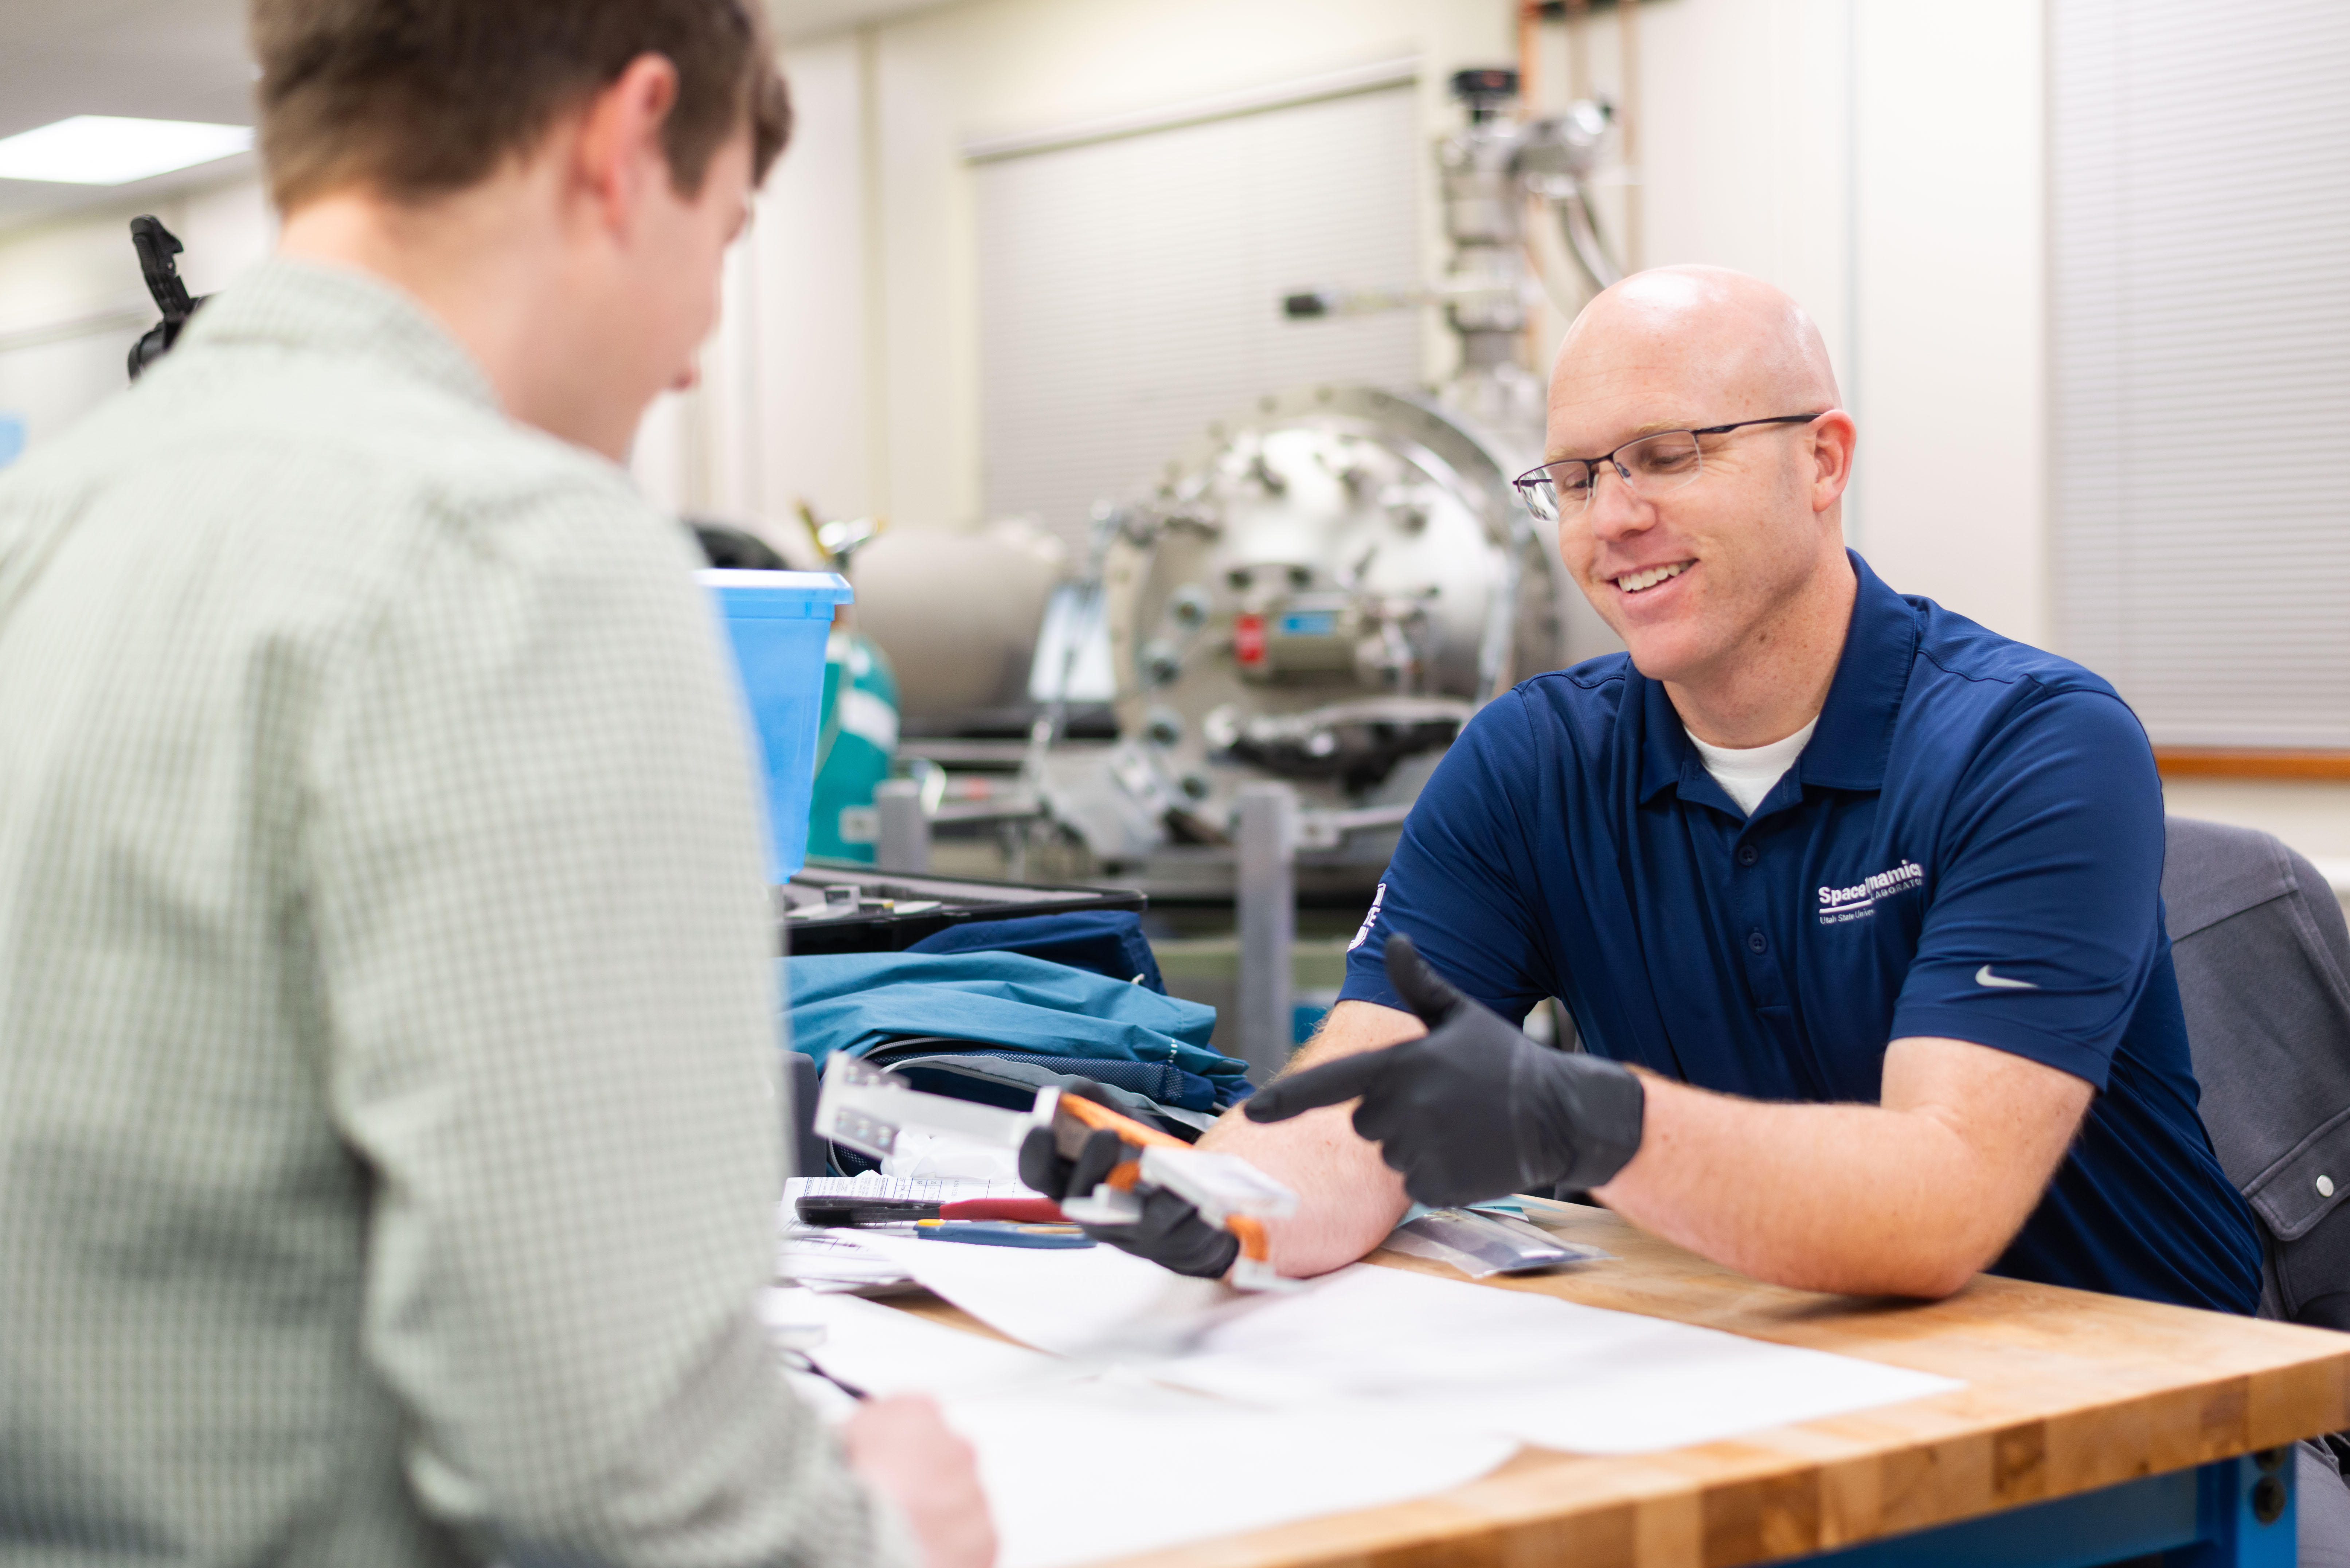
[[1107, 941]]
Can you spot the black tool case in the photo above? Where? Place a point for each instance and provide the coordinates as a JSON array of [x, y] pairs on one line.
[[841, 906]]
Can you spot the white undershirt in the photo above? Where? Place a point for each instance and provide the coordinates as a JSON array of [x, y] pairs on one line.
[[1746, 773]]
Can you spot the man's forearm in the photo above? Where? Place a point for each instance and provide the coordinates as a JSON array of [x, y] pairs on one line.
[[1910, 1198], [1347, 1197]]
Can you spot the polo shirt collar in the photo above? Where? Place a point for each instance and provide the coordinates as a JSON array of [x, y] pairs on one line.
[[1855, 737], [343, 312]]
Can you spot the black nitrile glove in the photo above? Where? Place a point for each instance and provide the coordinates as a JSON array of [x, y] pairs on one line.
[[1171, 1233], [1473, 1109]]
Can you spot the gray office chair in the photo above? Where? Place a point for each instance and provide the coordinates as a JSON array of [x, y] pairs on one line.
[[2263, 960]]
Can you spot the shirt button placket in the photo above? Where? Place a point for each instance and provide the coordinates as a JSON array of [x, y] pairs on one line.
[[1746, 903]]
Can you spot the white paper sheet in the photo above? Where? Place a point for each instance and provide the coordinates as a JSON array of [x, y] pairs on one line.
[[885, 1351], [1096, 1304], [1554, 1373], [1113, 1467], [920, 1188], [1371, 1342], [818, 1256], [943, 1156], [1082, 1466]]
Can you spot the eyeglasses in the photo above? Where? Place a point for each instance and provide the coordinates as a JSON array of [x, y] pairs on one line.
[[1651, 466]]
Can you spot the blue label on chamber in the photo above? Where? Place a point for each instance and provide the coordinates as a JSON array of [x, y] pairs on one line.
[[1309, 623]]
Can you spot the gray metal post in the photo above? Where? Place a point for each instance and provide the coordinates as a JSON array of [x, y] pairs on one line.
[[1266, 851], [904, 843]]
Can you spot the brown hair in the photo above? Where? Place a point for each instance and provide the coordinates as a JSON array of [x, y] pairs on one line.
[[422, 98]]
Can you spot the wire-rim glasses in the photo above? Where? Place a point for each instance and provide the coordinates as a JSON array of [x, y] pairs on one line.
[[1650, 465]]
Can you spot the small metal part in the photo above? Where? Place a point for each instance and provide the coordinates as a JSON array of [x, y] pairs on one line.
[[1163, 726], [1188, 606], [842, 896], [1482, 1244], [1161, 663]]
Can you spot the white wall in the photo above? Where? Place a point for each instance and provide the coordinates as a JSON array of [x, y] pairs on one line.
[[72, 302], [1950, 319]]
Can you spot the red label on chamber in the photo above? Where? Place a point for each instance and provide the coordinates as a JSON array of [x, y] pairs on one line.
[[1248, 639]]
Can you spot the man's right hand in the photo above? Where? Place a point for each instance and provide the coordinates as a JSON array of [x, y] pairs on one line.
[[904, 1450], [1169, 1234]]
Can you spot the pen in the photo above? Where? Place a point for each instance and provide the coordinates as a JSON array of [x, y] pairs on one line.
[[801, 1361], [992, 1233], [854, 1211]]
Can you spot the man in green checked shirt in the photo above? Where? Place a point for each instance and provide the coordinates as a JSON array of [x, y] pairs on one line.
[[388, 1152]]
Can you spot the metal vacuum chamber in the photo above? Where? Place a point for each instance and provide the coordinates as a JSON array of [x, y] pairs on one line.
[[1322, 593], [1325, 590]]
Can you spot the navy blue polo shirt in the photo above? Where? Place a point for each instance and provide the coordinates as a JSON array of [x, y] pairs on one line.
[[1969, 846]]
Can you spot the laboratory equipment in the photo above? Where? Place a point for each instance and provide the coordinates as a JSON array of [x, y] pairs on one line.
[[1326, 589]]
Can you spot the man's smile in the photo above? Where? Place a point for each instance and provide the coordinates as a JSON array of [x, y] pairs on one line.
[[1643, 578]]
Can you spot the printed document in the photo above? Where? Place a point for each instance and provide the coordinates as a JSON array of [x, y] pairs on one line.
[[1369, 1339]]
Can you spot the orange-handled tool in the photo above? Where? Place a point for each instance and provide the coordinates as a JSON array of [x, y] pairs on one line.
[[1228, 1191], [868, 1108]]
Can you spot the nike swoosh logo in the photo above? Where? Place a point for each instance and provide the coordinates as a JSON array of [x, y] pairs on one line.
[[1984, 976]]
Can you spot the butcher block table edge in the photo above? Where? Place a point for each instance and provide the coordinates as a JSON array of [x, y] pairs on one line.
[[2068, 1392]]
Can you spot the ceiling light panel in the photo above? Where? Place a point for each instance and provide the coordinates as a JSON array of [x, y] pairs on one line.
[[108, 149]]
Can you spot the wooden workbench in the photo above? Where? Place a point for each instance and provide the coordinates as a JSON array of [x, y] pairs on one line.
[[2067, 1392]]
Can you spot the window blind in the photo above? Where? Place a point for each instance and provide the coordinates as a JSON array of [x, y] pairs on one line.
[[2199, 362]]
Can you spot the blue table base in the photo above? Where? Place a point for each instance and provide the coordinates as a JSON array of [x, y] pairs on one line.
[[2234, 1513]]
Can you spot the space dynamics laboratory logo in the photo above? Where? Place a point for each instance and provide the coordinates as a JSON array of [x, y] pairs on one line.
[[1839, 905]]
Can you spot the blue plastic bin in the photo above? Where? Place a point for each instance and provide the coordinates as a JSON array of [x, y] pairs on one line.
[[777, 622]]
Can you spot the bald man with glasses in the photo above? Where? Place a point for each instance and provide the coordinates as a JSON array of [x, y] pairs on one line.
[[1854, 902]]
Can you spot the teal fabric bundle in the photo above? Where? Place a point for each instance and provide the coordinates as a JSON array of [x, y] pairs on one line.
[[855, 1002]]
